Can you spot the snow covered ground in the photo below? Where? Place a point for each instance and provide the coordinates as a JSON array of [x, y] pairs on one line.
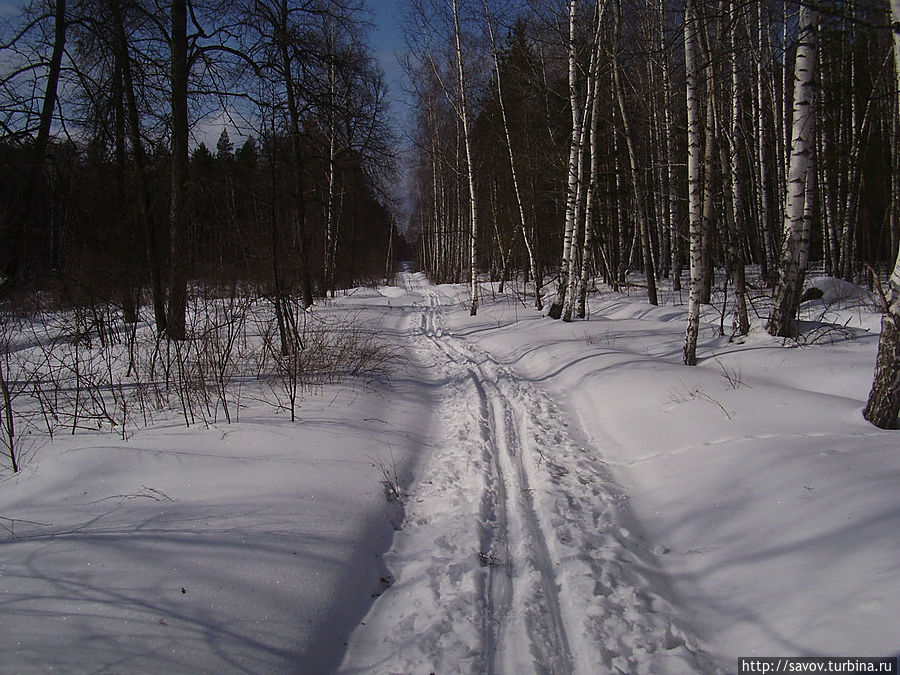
[[522, 495]]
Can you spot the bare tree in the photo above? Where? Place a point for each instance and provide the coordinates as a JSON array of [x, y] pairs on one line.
[[695, 186], [883, 404], [526, 238], [795, 249], [437, 54], [576, 153], [637, 181], [463, 111], [178, 214]]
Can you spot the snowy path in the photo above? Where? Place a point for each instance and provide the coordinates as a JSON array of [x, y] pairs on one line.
[[513, 558], [574, 501]]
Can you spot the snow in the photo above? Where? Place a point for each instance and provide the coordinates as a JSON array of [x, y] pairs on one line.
[[571, 499]]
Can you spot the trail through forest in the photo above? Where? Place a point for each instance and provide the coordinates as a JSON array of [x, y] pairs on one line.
[[518, 495], [515, 557]]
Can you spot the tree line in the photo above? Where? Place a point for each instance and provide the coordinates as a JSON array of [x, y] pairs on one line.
[[106, 195], [580, 140]]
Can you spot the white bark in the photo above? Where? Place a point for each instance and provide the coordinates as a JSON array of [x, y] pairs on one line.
[[637, 184], [538, 303], [594, 158], [737, 193], [672, 194], [763, 177], [795, 247], [470, 170], [883, 404], [695, 216], [582, 209], [575, 151]]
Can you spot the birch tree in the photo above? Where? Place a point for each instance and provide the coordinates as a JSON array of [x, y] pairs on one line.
[[735, 217], [883, 404], [637, 181], [435, 38], [695, 187], [520, 209], [795, 248], [463, 112], [593, 179], [576, 151]]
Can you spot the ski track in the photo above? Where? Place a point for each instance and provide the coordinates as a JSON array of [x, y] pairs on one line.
[[512, 558]]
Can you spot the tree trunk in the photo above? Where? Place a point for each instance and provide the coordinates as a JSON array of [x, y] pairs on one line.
[[795, 247], [575, 149], [587, 248], [529, 247], [283, 37], [765, 190], [49, 102], [37, 196], [582, 192], [151, 243], [470, 167], [671, 160], [737, 193], [123, 269], [637, 183], [695, 187], [178, 215], [710, 165], [883, 404]]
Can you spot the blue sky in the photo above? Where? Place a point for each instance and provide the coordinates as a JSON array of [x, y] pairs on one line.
[[387, 42]]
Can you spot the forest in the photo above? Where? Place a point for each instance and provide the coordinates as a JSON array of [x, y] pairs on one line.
[[562, 144], [583, 141], [109, 194], [586, 359]]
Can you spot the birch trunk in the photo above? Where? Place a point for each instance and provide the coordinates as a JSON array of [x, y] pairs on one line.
[[574, 178], [622, 256], [587, 248], [582, 208], [709, 169], [764, 180], [829, 212], [695, 216], [883, 404], [331, 177], [538, 303], [795, 246], [637, 184], [849, 175], [737, 193], [470, 169], [671, 209]]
